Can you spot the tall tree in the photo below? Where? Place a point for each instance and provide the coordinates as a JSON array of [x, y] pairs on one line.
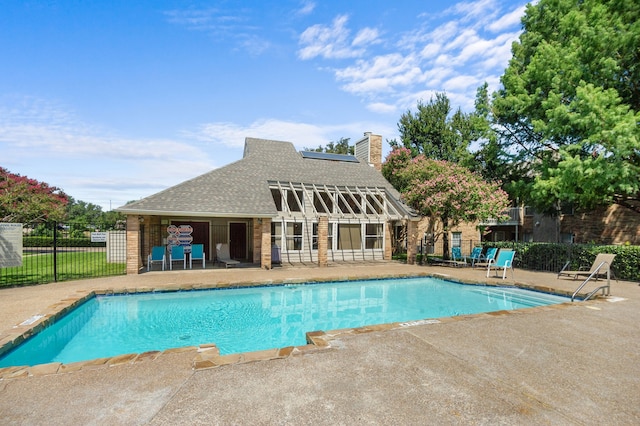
[[27, 200], [434, 132], [339, 147], [570, 103], [445, 192]]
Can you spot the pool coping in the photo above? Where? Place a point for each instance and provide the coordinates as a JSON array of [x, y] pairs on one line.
[[207, 356]]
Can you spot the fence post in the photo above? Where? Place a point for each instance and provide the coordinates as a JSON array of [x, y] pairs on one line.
[[55, 252]]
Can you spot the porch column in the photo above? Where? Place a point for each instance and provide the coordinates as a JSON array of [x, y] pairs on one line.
[[412, 241], [323, 241], [262, 232], [388, 239], [134, 259]]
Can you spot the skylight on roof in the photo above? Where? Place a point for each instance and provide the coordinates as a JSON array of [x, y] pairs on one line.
[[314, 155]]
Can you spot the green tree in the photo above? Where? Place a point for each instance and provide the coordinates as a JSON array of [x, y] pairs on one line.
[[90, 216], [445, 192], [569, 107], [339, 147], [27, 200], [432, 131]]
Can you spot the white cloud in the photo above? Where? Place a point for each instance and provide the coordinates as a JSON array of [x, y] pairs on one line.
[[453, 51], [332, 42], [301, 134], [508, 21], [306, 8]]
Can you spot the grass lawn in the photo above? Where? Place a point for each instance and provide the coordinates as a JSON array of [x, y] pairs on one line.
[[39, 268]]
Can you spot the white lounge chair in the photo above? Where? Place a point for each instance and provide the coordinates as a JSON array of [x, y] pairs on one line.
[[601, 258], [222, 251]]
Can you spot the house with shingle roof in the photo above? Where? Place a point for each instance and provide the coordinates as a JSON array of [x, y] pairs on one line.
[[277, 205]]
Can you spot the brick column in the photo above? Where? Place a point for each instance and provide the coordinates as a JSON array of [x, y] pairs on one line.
[[134, 259], [388, 239], [323, 241], [265, 244], [412, 241]]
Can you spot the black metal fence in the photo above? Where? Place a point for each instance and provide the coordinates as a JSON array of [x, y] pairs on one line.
[[52, 252], [548, 257]]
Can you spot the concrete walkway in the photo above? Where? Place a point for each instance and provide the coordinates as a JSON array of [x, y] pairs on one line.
[[571, 364]]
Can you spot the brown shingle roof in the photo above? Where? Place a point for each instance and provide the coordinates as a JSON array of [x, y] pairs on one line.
[[242, 188]]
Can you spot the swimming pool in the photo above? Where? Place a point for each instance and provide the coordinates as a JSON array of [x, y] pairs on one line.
[[254, 318]]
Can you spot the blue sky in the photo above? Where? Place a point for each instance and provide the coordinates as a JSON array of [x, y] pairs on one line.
[[116, 100]]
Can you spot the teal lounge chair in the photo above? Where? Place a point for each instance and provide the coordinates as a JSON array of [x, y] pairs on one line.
[[504, 261], [476, 255], [157, 255], [197, 253], [457, 258], [176, 255], [490, 256]]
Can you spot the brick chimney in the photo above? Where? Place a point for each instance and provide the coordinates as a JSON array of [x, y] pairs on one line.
[[369, 150]]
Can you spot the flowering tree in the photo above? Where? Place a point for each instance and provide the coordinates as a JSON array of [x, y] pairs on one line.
[[447, 193], [25, 200]]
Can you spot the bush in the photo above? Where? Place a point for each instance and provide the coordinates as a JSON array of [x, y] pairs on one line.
[[61, 242]]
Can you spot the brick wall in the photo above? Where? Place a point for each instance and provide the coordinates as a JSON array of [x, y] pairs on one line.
[[613, 225]]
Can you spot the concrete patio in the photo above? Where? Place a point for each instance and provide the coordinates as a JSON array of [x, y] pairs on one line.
[[569, 364]]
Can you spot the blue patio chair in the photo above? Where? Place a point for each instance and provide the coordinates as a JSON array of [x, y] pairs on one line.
[[197, 253], [157, 255], [456, 256], [504, 261], [476, 256], [176, 255], [489, 256]]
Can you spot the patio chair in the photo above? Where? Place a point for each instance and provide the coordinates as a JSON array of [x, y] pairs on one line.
[[197, 253], [457, 258], [601, 258], [157, 255], [176, 255], [490, 256], [476, 256], [223, 255], [504, 261]]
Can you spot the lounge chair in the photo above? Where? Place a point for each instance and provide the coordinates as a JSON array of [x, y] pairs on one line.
[[176, 255], [157, 255], [490, 256], [504, 261], [223, 255], [476, 256], [601, 258], [197, 253], [457, 258]]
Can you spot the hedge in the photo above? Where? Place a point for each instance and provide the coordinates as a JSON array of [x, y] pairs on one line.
[[61, 242]]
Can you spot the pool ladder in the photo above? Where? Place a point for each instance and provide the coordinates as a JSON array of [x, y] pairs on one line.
[[606, 287]]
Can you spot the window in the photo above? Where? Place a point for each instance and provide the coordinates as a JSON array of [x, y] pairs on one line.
[[353, 202], [329, 237], [294, 235], [376, 203], [314, 237], [349, 236], [292, 201], [373, 236], [277, 198], [324, 197], [529, 211], [456, 239], [276, 234], [566, 238]]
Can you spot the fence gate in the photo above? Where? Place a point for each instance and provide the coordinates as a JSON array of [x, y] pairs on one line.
[[52, 252]]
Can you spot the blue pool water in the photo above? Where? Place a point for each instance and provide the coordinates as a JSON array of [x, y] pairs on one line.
[[255, 318]]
